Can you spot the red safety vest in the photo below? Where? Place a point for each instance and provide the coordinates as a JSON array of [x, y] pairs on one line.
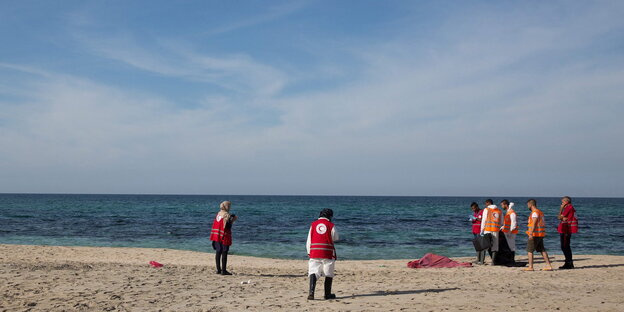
[[507, 225], [570, 226], [321, 243], [219, 233]]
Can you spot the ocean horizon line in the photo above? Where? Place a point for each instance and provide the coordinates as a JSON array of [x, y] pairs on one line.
[[307, 195]]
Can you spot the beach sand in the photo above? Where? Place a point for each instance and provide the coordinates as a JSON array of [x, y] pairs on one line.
[[52, 278]]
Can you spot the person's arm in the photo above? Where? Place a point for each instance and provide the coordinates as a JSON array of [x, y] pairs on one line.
[[514, 223], [485, 212], [309, 241], [334, 234], [567, 213]]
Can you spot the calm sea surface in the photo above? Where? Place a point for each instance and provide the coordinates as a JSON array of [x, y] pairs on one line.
[[277, 226]]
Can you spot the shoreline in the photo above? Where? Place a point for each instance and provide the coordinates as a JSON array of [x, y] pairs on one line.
[[43, 278]]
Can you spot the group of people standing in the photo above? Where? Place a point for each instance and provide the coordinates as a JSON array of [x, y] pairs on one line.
[[320, 246], [491, 220]]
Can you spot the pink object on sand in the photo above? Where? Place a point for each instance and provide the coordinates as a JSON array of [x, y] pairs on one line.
[[155, 264], [436, 261]]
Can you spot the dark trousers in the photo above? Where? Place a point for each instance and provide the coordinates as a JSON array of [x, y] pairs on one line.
[[565, 247]]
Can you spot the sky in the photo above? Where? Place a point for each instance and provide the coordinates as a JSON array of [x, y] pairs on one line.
[[406, 98]]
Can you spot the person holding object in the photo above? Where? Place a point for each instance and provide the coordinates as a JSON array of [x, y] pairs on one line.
[[568, 225], [510, 227], [322, 253], [491, 223], [221, 236], [477, 215], [536, 232]]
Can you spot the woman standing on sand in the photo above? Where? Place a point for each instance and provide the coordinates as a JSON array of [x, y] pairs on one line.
[[221, 236]]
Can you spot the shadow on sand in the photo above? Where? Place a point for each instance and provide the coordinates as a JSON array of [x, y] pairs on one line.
[[276, 275], [598, 266], [399, 292]]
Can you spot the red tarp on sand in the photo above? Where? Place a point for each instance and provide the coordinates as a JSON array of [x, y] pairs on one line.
[[436, 261]]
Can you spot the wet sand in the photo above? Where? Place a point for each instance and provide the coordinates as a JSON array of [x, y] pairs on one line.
[[52, 278]]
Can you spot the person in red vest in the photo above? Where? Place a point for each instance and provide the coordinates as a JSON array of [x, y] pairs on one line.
[[477, 214], [320, 246], [536, 230], [221, 236], [568, 225]]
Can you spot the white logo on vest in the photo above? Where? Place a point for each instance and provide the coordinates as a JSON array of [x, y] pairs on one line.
[[321, 228], [219, 217]]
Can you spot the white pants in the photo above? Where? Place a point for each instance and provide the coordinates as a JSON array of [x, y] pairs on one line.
[[321, 267], [511, 240], [494, 240]]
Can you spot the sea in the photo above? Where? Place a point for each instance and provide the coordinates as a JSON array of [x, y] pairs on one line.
[[370, 227]]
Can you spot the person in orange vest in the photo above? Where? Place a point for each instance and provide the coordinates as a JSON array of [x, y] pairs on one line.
[[322, 253], [491, 223], [536, 232], [568, 225], [510, 226], [221, 236]]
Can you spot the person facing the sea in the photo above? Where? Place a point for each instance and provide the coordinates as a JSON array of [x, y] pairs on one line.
[[568, 225], [322, 253], [477, 215], [510, 226], [536, 230], [221, 236], [491, 223]]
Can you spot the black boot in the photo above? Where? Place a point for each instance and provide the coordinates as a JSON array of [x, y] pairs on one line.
[[224, 265], [328, 285], [218, 262], [482, 257], [494, 258], [312, 286], [513, 257]]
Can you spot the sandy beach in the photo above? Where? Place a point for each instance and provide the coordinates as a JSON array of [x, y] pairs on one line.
[[51, 278]]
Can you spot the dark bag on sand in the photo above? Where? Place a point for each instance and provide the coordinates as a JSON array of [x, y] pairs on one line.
[[482, 242]]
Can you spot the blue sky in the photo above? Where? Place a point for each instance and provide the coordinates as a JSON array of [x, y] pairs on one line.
[[312, 97]]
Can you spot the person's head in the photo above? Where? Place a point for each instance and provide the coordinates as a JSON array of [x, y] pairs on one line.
[[505, 204], [225, 206], [531, 203], [566, 200], [326, 213], [474, 206], [488, 202]]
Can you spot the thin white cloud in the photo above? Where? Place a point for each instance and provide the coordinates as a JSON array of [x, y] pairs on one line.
[[273, 13]]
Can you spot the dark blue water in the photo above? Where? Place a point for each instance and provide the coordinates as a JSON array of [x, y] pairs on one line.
[[277, 226]]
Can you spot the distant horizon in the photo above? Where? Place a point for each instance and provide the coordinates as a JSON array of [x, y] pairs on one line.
[[311, 195]]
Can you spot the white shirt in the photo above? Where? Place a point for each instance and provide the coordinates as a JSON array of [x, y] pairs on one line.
[[334, 236]]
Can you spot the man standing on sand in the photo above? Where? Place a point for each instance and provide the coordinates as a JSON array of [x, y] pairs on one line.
[[568, 225], [477, 216], [491, 223], [510, 227], [320, 246], [536, 232]]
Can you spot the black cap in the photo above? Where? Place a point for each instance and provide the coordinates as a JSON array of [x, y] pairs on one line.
[[327, 213]]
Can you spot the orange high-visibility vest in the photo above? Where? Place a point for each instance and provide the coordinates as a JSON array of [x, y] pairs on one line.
[[507, 226], [538, 224], [493, 220]]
